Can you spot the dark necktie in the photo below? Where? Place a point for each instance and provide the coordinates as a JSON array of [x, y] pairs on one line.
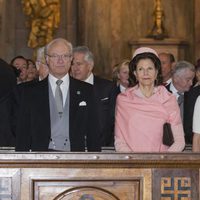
[[59, 97], [180, 103], [180, 98]]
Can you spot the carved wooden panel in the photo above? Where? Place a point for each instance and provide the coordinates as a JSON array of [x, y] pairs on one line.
[[88, 190], [176, 184], [86, 184], [86, 193], [103, 176], [9, 184]]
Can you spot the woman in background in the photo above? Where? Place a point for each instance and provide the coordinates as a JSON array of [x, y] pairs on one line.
[[142, 110], [32, 73], [121, 75]]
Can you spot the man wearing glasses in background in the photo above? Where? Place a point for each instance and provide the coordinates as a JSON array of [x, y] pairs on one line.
[[57, 113]]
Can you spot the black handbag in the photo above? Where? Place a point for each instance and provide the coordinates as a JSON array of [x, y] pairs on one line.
[[168, 138]]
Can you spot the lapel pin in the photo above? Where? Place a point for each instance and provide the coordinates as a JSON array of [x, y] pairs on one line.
[[78, 92]]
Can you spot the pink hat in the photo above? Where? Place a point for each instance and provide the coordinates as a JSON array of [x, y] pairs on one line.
[[144, 50]]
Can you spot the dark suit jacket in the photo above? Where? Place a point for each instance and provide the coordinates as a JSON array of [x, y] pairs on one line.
[[7, 83], [104, 94], [117, 90], [190, 100], [32, 117], [188, 108]]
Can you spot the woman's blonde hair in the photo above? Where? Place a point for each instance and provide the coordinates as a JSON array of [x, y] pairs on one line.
[[117, 67]]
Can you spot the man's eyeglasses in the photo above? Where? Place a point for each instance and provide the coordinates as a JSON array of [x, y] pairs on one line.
[[56, 56]]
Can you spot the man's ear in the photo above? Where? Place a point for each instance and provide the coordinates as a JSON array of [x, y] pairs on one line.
[[72, 58], [91, 66], [47, 60]]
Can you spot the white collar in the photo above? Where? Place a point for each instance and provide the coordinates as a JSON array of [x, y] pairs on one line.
[[122, 88], [169, 81], [90, 79], [64, 86], [53, 79], [174, 90]]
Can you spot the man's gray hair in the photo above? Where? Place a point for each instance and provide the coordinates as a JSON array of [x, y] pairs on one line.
[[58, 40], [182, 65], [84, 50]]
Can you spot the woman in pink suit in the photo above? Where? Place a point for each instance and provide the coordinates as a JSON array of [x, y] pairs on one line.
[[142, 109]]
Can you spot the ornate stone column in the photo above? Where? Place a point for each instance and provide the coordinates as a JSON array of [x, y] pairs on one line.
[[196, 29], [71, 20]]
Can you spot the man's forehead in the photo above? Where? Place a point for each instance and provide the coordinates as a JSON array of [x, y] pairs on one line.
[[79, 57], [57, 47], [185, 73], [20, 60], [164, 58], [79, 54]]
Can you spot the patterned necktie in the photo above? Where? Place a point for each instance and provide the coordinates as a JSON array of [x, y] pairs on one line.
[[59, 97]]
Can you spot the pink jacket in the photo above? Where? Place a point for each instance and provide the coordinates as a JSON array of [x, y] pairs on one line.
[[139, 121]]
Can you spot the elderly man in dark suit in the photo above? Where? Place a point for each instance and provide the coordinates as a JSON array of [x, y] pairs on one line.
[[57, 113], [104, 90], [7, 83], [182, 79]]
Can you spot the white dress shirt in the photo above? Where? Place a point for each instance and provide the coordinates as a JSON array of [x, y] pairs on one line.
[[122, 88], [64, 86]]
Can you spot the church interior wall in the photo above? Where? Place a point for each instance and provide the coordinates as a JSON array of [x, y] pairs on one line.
[[106, 27]]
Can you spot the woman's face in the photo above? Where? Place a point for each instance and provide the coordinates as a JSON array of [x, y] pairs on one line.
[[21, 63], [146, 72], [123, 75], [32, 71]]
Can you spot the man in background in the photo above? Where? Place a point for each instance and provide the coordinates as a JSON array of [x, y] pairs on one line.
[[167, 62], [182, 79], [57, 113], [41, 65], [82, 67], [21, 64]]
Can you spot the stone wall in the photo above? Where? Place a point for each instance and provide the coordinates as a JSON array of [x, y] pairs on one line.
[[105, 26]]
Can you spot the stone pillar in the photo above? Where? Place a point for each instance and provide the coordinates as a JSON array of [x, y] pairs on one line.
[[196, 29], [68, 23], [71, 21]]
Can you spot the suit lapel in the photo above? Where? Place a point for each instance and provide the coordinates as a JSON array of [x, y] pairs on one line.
[[73, 102], [43, 102], [168, 88]]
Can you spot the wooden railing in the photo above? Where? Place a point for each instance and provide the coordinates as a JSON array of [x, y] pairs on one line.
[[104, 176]]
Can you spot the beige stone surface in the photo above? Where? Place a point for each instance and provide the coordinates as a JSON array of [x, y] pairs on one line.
[[105, 26]]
